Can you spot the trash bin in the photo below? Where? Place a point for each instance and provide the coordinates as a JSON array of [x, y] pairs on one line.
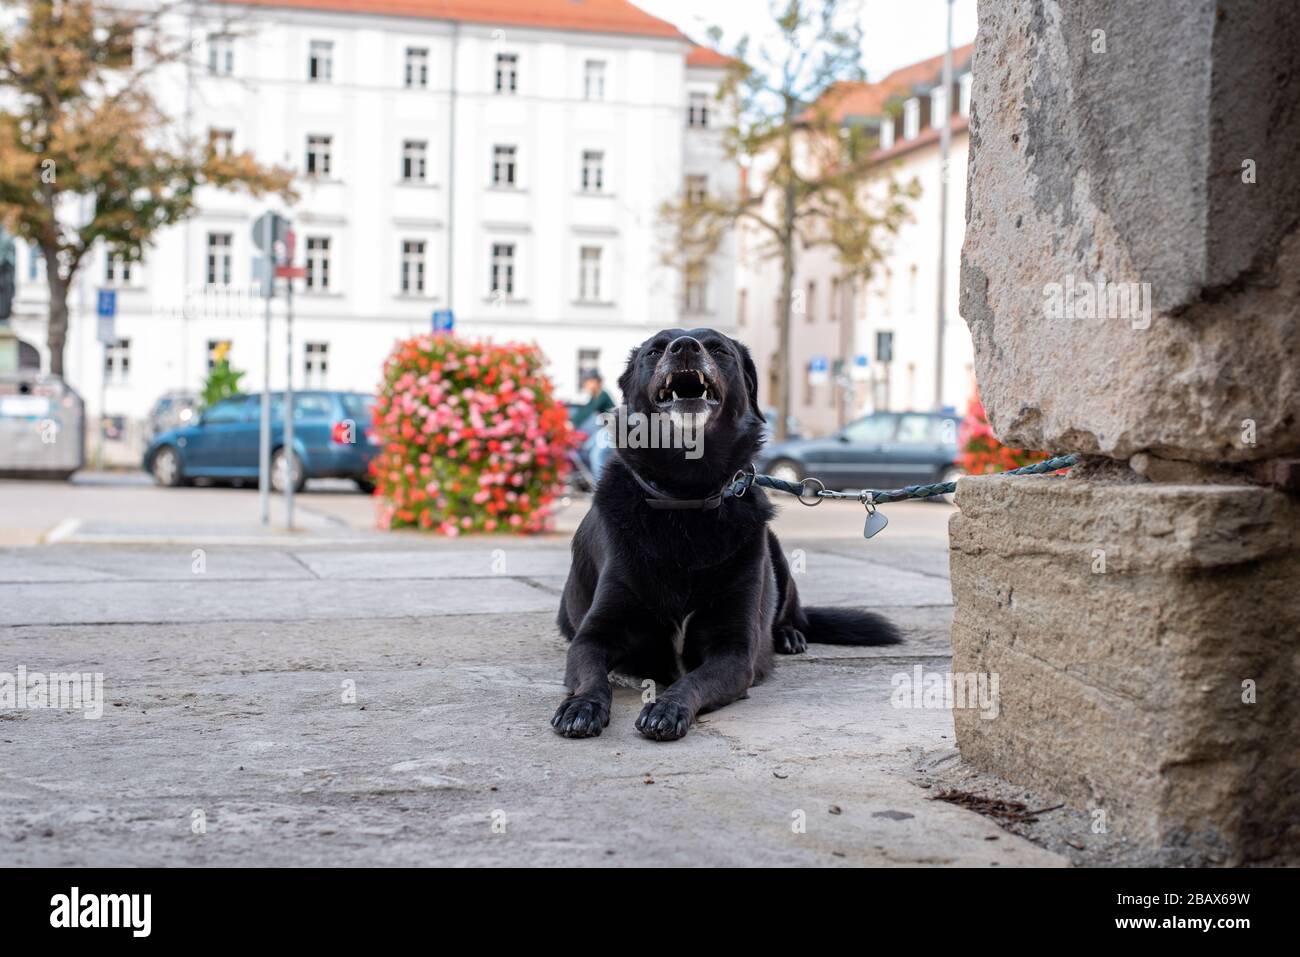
[[42, 426]]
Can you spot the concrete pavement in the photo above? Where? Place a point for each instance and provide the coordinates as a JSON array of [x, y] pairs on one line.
[[386, 701]]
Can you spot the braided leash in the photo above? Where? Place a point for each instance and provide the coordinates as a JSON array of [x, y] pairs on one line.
[[809, 495]]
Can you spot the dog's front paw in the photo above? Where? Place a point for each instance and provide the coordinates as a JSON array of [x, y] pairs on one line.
[[789, 641], [581, 717], [664, 720]]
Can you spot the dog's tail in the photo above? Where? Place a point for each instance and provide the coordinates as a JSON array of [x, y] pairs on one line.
[[849, 626]]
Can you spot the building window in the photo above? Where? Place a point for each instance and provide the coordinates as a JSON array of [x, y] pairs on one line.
[[320, 61], [221, 142], [810, 302], [315, 364], [697, 189], [502, 280], [117, 362], [742, 306], [412, 267], [507, 72], [218, 349], [963, 94], [318, 263], [697, 289], [117, 270], [938, 106], [503, 165], [319, 155], [697, 111], [417, 68], [593, 80], [593, 171], [34, 259], [887, 133], [414, 160], [884, 347], [911, 118], [221, 54], [589, 274], [833, 307], [219, 259]]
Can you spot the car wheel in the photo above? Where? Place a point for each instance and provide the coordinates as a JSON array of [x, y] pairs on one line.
[[787, 470], [365, 485], [283, 464], [166, 467], [949, 475]]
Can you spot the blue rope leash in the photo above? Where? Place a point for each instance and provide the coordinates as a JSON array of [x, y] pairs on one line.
[[809, 495]]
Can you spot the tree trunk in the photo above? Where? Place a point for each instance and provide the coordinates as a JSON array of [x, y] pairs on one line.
[[57, 328], [783, 320]]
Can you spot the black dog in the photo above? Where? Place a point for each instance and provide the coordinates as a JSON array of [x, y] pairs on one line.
[[673, 579]]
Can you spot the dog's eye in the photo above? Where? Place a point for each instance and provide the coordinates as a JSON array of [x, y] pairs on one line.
[[718, 349], [651, 353]]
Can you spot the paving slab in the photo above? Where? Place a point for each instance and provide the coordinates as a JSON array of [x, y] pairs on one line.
[[391, 707]]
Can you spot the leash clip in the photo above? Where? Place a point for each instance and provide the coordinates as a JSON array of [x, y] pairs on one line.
[[817, 493], [745, 477]]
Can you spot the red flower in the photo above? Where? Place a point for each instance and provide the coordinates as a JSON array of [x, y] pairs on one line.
[[450, 416]]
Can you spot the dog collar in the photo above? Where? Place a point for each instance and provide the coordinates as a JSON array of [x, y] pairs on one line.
[[658, 499]]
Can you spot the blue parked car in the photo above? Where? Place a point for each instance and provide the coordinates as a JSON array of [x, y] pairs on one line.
[[332, 438], [882, 450]]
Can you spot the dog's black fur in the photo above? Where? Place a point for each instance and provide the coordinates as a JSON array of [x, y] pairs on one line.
[[696, 599]]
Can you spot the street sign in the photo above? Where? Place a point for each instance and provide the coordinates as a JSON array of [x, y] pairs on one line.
[[269, 229], [272, 234], [860, 370], [106, 311], [290, 272], [818, 370], [444, 320]]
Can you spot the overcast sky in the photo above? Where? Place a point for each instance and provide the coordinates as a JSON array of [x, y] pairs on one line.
[[898, 32]]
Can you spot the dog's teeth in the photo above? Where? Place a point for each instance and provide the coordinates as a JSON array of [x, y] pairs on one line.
[[701, 375], [674, 396]]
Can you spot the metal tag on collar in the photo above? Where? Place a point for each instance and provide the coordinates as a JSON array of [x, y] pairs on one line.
[[876, 520]]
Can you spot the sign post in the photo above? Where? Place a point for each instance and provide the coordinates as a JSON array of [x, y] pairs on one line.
[[268, 228], [106, 333], [286, 270]]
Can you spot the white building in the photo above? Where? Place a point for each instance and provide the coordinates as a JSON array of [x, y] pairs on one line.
[[890, 319], [507, 165]]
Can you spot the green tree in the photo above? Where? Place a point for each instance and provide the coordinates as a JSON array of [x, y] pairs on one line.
[[808, 171], [222, 381], [81, 130]]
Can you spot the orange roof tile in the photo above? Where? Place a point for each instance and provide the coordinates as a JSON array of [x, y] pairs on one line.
[[592, 16], [705, 57], [869, 99]]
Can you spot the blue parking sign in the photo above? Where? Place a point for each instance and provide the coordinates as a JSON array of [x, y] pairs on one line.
[[107, 304], [444, 320]]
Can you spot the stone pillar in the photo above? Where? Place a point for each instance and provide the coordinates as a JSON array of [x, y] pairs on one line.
[[1131, 279]]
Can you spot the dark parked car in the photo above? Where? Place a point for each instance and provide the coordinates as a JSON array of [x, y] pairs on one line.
[[332, 438], [882, 450], [172, 410]]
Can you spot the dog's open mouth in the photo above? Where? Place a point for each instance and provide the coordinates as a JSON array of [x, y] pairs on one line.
[[687, 388]]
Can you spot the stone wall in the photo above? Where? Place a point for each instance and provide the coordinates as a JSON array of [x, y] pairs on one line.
[[1144, 614]]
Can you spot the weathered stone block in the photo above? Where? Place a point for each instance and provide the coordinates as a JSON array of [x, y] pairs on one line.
[[1155, 144], [1130, 626]]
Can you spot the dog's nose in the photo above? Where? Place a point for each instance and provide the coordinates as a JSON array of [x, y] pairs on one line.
[[685, 346]]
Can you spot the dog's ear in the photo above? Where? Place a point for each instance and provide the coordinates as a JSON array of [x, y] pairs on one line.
[[625, 380], [751, 377]]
